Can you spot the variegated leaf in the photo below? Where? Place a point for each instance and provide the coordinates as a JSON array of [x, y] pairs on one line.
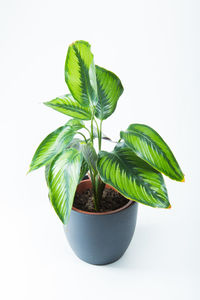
[[69, 106], [89, 155], [63, 179], [132, 177], [109, 89], [80, 73], [149, 146], [53, 144]]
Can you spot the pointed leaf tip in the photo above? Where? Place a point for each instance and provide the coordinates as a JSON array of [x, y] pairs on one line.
[[183, 180], [169, 206]]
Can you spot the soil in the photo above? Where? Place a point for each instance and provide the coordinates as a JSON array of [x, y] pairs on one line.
[[111, 200]]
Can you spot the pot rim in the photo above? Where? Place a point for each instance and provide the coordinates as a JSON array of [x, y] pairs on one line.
[[88, 181]]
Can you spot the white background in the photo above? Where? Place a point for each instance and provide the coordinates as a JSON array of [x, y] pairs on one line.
[[153, 46]]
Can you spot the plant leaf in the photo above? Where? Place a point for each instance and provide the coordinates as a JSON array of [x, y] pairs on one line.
[[69, 106], [84, 169], [77, 144], [89, 155], [53, 144], [47, 168], [63, 180], [109, 89], [80, 73], [132, 177], [149, 146], [75, 124]]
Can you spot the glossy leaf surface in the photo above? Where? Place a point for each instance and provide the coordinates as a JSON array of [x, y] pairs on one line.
[[54, 143], [69, 106], [77, 144], [148, 145], [89, 155], [109, 89], [80, 73], [63, 179], [75, 124], [46, 172], [84, 170], [132, 177]]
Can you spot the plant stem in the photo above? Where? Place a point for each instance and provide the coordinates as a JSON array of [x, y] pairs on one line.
[[91, 133], [95, 197], [100, 135], [92, 129], [87, 130], [82, 136], [97, 184]]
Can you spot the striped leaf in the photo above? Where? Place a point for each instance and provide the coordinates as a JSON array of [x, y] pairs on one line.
[[69, 106], [63, 179], [89, 155], [149, 146], [47, 168], [80, 73], [54, 143], [77, 144], [109, 89], [132, 177], [84, 169], [75, 124]]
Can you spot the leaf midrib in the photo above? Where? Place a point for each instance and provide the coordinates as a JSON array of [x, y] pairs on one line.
[[84, 74]]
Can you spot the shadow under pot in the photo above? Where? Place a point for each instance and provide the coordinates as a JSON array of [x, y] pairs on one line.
[[101, 238]]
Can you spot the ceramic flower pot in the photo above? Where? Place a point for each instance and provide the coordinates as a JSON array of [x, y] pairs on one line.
[[101, 238]]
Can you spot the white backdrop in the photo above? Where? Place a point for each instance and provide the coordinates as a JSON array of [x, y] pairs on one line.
[[153, 46]]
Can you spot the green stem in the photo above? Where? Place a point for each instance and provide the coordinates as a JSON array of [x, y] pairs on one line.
[[119, 140], [87, 130], [97, 126], [95, 196], [91, 133], [100, 135], [82, 136], [98, 132]]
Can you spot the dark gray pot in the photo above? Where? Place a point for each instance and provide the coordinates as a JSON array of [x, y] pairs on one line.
[[101, 238]]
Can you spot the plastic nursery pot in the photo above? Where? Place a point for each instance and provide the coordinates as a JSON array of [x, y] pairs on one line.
[[101, 238]]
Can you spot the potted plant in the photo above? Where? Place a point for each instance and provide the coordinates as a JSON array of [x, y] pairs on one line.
[[103, 208]]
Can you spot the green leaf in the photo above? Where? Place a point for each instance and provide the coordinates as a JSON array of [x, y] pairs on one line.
[[148, 145], [77, 144], [47, 168], [75, 124], [89, 155], [69, 106], [80, 73], [109, 89], [132, 177], [53, 144], [84, 169], [63, 180]]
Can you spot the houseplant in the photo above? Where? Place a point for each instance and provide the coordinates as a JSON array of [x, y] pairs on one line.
[[133, 168]]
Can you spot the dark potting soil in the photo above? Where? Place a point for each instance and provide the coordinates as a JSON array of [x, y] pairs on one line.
[[111, 200]]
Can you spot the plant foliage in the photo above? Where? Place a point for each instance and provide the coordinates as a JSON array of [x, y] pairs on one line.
[[134, 167]]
